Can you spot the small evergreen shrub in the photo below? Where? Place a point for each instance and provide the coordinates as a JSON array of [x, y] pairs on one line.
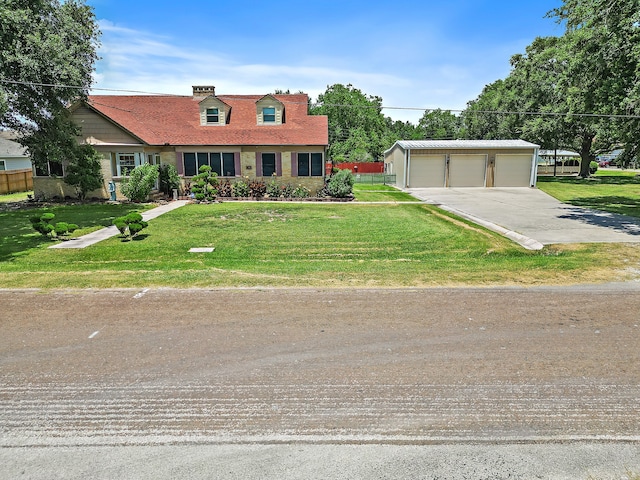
[[44, 225], [205, 184], [593, 167], [341, 184], [130, 225], [169, 179]]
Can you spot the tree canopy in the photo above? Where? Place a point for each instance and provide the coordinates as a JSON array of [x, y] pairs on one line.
[[356, 124], [46, 62], [578, 91]]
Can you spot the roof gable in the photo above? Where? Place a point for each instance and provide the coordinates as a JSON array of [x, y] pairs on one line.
[[175, 120]]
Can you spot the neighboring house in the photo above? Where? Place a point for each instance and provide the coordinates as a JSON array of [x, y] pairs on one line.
[[15, 165], [13, 156], [462, 163], [261, 137], [566, 162]]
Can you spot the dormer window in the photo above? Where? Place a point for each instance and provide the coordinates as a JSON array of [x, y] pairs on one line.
[[213, 111], [269, 114], [213, 115], [269, 111]]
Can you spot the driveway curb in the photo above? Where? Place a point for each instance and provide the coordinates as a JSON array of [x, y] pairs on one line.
[[522, 240]]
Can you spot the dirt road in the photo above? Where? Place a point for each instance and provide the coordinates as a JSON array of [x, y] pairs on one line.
[[380, 367]]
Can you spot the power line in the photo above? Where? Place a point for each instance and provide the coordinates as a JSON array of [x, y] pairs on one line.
[[381, 107]]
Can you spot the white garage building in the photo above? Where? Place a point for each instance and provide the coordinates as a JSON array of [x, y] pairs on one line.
[[462, 163]]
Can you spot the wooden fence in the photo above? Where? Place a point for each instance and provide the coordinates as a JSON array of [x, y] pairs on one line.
[[13, 181]]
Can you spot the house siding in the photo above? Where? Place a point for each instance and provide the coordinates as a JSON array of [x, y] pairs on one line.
[[96, 129]]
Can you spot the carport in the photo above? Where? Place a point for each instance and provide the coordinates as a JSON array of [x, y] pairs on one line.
[[462, 163]]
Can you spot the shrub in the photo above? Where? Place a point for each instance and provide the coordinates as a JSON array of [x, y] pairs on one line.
[[130, 225], [300, 192], [169, 179], [241, 189], [140, 182], [257, 189], [273, 189], [341, 184], [593, 167], [84, 171], [205, 184], [225, 189], [286, 190], [44, 225]]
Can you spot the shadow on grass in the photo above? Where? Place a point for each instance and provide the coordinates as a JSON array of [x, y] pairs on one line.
[[615, 218], [604, 180], [17, 236], [620, 205]]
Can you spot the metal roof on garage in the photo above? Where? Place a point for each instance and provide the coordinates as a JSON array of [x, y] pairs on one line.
[[463, 144]]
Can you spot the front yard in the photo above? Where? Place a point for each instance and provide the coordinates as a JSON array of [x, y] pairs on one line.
[[289, 244], [614, 191]]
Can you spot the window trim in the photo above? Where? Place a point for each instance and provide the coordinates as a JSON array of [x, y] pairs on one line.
[[210, 116], [264, 115], [3, 166], [210, 155], [310, 165]]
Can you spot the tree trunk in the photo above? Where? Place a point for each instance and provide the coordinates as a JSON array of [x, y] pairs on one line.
[[585, 155]]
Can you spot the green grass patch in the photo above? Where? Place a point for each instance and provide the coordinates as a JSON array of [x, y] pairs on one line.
[[15, 197], [19, 239], [610, 191], [380, 193], [305, 245]]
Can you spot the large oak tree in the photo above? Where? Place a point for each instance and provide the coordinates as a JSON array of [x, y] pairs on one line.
[[47, 56]]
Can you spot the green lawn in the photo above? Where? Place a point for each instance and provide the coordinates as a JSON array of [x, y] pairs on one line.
[[15, 197], [380, 193], [295, 244], [613, 191]]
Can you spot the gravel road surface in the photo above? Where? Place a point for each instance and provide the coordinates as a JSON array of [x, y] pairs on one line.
[[287, 383]]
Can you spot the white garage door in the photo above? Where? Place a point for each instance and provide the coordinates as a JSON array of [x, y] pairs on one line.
[[513, 171], [467, 170], [427, 171]]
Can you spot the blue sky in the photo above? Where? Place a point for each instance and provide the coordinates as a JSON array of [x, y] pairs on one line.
[[413, 54]]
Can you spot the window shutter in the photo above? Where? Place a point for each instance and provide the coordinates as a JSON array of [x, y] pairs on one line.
[[179, 163], [236, 163], [258, 164], [278, 164], [294, 164]]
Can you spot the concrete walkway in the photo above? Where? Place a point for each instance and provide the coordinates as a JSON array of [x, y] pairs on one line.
[[531, 217], [112, 231]]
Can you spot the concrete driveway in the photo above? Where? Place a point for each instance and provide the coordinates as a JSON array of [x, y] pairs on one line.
[[532, 215]]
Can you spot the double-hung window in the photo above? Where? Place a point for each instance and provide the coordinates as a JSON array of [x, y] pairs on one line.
[[213, 115], [269, 115], [310, 164], [125, 162], [2, 165]]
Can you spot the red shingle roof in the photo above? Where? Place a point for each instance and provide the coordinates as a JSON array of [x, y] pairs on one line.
[[158, 120]]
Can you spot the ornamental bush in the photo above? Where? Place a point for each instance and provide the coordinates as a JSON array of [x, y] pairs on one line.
[[130, 225], [44, 225], [300, 192], [205, 185], [241, 189], [341, 184], [168, 179], [140, 182]]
